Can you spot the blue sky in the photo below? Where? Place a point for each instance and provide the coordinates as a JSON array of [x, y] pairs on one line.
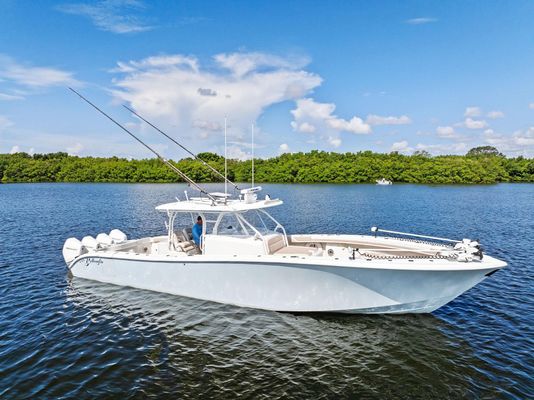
[[330, 75]]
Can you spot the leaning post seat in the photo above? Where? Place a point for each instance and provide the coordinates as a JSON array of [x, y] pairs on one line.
[[188, 233], [189, 247]]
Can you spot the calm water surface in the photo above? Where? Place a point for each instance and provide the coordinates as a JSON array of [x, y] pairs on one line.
[[65, 338]]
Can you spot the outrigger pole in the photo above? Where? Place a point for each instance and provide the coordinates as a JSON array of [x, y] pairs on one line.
[[183, 147], [164, 160]]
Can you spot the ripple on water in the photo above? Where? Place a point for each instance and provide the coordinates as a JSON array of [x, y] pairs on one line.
[[62, 337]]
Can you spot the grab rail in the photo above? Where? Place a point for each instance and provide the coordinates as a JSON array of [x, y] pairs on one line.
[[375, 229]]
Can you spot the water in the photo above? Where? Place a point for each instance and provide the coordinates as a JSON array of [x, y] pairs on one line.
[[64, 338]]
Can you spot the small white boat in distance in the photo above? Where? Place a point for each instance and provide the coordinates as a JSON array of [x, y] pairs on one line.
[[245, 258], [383, 181]]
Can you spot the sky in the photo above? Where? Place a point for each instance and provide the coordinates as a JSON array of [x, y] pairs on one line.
[[344, 76]]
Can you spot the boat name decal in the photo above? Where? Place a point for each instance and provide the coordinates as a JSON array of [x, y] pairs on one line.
[[92, 260]]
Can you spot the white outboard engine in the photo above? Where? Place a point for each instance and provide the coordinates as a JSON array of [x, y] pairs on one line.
[[90, 243], [104, 240], [72, 249], [118, 236]]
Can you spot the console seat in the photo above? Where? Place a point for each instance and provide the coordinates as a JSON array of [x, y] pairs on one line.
[[277, 246]]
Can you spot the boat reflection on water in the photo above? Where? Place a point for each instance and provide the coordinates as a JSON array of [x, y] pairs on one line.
[[219, 350]]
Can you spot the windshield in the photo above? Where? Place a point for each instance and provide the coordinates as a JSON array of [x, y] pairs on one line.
[[230, 225], [260, 221], [248, 223]]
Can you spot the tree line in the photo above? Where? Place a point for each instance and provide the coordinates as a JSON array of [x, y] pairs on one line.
[[479, 165]]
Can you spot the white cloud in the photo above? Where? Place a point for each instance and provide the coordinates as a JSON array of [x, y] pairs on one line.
[[34, 77], [15, 149], [164, 89], [401, 147], [117, 16], [525, 138], [75, 149], [283, 148], [160, 62], [206, 92], [236, 153], [531, 106], [208, 125], [92, 142], [354, 125], [455, 148], [495, 114], [472, 112], [420, 20], [248, 145], [10, 97], [312, 113], [242, 63], [379, 120], [304, 127], [312, 109], [520, 142], [446, 132], [475, 124], [5, 123], [334, 141]]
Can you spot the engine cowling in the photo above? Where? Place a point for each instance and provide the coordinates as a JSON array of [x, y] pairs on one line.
[[104, 239], [72, 249], [117, 236]]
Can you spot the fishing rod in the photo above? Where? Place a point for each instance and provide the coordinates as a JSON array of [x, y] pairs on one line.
[[164, 160], [183, 147]]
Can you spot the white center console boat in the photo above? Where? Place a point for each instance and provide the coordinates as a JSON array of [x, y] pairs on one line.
[[244, 257]]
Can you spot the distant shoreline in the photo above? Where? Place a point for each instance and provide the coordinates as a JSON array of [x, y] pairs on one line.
[[267, 183], [315, 167]]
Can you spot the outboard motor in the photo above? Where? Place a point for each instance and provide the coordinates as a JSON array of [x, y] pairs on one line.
[[104, 239], [117, 236], [90, 243], [72, 249]]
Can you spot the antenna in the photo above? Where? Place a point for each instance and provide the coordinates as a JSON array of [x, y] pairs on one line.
[[252, 154], [183, 147], [165, 161], [225, 162]]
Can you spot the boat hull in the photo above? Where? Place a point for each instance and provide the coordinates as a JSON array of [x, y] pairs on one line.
[[288, 286]]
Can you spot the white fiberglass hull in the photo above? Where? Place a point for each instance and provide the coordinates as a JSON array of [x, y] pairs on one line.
[[289, 285]]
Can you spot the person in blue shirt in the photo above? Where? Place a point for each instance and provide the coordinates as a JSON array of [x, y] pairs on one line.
[[197, 231]]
